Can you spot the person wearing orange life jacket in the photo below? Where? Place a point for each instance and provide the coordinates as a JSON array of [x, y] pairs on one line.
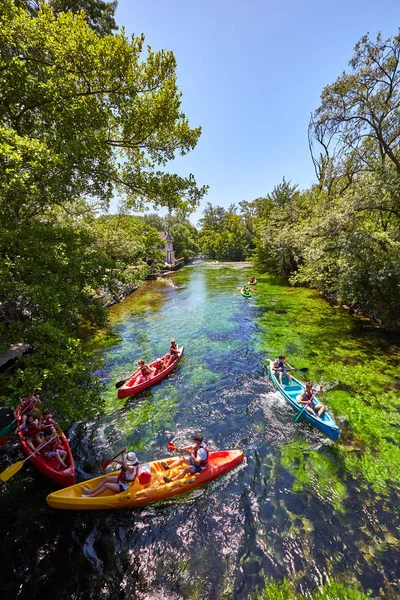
[[27, 405], [145, 371], [30, 431], [307, 397], [158, 366], [50, 449], [47, 424], [197, 460], [117, 483]]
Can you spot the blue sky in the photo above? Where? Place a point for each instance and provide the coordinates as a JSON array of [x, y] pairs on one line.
[[251, 73]]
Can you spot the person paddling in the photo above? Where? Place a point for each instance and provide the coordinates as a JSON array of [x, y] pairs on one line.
[[197, 459], [117, 483], [307, 397], [281, 366]]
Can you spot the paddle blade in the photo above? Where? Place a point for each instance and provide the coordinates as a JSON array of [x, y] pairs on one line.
[[4, 439], [11, 470], [298, 416], [105, 464], [120, 383], [171, 446], [5, 431]]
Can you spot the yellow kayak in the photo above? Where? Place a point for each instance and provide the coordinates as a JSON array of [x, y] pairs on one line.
[[70, 498]]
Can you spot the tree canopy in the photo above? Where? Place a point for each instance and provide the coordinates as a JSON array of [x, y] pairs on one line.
[[83, 117]]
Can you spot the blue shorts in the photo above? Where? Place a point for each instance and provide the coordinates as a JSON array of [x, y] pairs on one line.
[[196, 468]]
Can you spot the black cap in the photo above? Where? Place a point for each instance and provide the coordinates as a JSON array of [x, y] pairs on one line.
[[198, 437]]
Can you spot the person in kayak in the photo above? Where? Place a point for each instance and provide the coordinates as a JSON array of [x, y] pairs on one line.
[[30, 431], [282, 367], [48, 423], [158, 366], [145, 371], [307, 397], [28, 404], [172, 355], [252, 280], [50, 448], [117, 483], [197, 459]]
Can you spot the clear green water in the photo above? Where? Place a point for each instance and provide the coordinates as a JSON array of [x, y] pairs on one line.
[[302, 517]]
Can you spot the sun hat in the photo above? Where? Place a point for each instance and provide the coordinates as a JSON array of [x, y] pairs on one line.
[[132, 458], [198, 437]]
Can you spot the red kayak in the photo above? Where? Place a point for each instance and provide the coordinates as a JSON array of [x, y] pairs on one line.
[[46, 466], [131, 387]]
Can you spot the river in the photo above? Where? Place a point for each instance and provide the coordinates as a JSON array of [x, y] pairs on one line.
[[300, 514]]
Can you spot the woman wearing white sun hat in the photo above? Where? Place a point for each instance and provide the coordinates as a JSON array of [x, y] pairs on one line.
[[117, 483]]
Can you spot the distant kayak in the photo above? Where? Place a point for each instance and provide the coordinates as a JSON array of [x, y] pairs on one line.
[[131, 387], [252, 282], [71, 498], [49, 467], [245, 294], [325, 423]]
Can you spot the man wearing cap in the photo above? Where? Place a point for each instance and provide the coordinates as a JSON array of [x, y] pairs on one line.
[[197, 460], [117, 483]]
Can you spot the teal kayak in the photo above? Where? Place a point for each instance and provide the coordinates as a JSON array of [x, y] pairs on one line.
[[325, 423], [244, 294]]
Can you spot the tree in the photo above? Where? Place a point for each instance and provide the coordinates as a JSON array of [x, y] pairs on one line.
[[357, 123], [99, 14], [81, 118]]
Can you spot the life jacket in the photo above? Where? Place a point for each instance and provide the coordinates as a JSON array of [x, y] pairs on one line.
[[50, 445], [204, 462], [31, 430], [158, 364], [28, 403], [126, 476], [173, 350], [281, 364], [144, 370], [48, 424], [307, 395]]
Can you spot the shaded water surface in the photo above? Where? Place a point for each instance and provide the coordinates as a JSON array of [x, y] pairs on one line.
[[299, 507]]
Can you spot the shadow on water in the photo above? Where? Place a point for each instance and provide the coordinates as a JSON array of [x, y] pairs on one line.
[[299, 507]]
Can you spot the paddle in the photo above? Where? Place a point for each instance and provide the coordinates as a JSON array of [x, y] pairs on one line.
[[13, 469], [299, 415], [121, 383], [171, 447], [6, 431], [109, 461]]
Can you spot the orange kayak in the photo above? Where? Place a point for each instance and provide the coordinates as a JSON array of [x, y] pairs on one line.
[[131, 387], [71, 498]]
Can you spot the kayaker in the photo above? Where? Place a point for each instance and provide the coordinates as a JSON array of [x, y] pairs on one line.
[[48, 423], [197, 459], [282, 367], [158, 366], [307, 397], [117, 483], [252, 280], [50, 448], [30, 431], [145, 371], [27, 405], [172, 355]]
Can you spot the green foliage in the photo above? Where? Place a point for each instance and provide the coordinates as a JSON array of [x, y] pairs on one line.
[[224, 234], [99, 14], [331, 591], [83, 116]]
